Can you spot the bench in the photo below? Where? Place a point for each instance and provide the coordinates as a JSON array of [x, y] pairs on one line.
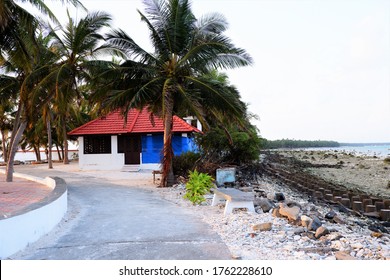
[[154, 172], [234, 199]]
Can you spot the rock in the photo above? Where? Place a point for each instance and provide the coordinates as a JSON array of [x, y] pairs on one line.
[[262, 227], [360, 253], [376, 234], [330, 215], [292, 213], [293, 203], [279, 197], [276, 213], [334, 236], [297, 237], [321, 231], [338, 220], [309, 235], [343, 256], [299, 230], [315, 223], [235, 257], [357, 245], [265, 204], [305, 220]]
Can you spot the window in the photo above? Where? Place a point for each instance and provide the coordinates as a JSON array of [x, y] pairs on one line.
[[97, 144]]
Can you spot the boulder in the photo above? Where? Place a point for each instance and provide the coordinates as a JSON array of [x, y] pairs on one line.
[[262, 227], [305, 220], [291, 213], [276, 213], [279, 197], [330, 215], [265, 204], [343, 256], [315, 223], [321, 231]]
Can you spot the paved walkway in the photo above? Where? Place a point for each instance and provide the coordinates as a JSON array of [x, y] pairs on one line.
[[17, 195], [109, 217]]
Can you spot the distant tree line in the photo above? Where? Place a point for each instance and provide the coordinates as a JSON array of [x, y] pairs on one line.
[[288, 143]]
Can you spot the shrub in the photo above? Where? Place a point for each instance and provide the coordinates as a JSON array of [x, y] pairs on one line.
[[197, 186], [236, 147], [184, 163], [387, 160]]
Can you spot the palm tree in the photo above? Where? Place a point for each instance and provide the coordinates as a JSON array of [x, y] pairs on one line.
[[173, 77], [77, 47], [18, 47]]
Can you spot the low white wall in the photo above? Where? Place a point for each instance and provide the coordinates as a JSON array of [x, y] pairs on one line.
[[23, 228]]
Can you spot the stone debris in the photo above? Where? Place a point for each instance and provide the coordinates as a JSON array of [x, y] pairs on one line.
[[343, 256], [262, 227], [313, 231], [321, 231], [292, 213]]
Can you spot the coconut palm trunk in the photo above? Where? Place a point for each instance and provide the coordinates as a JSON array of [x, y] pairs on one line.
[[49, 143], [14, 148], [167, 171], [4, 144], [66, 148]]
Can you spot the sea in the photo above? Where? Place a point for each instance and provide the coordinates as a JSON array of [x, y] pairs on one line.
[[378, 150]]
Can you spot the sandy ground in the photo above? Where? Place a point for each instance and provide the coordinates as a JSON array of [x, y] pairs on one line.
[[366, 173]]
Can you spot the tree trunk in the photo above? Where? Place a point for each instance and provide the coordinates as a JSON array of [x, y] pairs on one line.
[[37, 152], [65, 137], [13, 149], [49, 144], [15, 126], [58, 152], [167, 179], [4, 143]]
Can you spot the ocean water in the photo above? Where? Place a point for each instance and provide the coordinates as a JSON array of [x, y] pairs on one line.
[[380, 151]]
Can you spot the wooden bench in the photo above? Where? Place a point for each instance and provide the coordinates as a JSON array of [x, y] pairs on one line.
[[154, 172], [234, 199]]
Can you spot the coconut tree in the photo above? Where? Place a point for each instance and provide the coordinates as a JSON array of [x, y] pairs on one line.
[[17, 44], [172, 77], [77, 47]]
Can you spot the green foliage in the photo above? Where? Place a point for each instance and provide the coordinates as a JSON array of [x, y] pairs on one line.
[[197, 186], [184, 163], [288, 143], [387, 160], [232, 145]]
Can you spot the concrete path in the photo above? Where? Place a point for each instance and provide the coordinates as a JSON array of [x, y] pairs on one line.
[[109, 219]]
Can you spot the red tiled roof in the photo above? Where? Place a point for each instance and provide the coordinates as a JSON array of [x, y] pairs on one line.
[[137, 122]]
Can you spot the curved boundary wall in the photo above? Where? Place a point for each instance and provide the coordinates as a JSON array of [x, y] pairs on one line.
[[31, 223]]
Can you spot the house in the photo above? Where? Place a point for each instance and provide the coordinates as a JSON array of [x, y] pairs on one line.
[[108, 143]]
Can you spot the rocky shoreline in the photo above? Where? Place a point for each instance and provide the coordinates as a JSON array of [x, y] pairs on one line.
[[290, 225]]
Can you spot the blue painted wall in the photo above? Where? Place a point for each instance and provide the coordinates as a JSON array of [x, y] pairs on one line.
[[152, 146]]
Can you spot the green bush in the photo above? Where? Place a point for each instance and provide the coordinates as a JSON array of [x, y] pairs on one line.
[[234, 147], [184, 163], [387, 160], [197, 186]]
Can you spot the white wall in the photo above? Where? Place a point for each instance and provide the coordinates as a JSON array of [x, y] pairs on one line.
[[113, 161], [16, 232]]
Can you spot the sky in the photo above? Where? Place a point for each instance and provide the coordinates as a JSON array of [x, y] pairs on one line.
[[321, 67]]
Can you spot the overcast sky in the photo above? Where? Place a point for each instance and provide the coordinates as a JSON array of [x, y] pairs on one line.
[[322, 67]]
